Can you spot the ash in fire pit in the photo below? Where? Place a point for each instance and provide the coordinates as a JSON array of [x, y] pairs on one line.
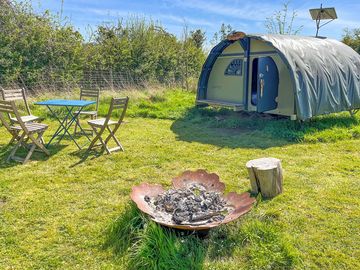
[[192, 205]]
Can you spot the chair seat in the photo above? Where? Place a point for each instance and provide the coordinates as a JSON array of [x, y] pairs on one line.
[[100, 122], [26, 118], [87, 112], [32, 127]]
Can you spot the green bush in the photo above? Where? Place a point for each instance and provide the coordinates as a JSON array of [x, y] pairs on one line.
[[40, 48], [34, 46]]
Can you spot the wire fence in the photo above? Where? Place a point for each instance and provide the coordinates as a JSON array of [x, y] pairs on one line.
[[54, 80], [108, 79]]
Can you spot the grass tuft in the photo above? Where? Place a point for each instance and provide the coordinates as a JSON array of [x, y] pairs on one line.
[[147, 245], [121, 235], [160, 248]]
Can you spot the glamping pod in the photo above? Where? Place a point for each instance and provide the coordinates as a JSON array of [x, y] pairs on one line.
[[295, 76]]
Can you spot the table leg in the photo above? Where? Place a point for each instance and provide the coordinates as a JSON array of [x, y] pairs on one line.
[[75, 119], [68, 125], [65, 125], [59, 129]]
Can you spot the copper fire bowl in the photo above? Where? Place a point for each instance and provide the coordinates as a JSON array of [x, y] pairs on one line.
[[242, 203]]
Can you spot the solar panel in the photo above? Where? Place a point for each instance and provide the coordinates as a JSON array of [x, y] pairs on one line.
[[323, 13]]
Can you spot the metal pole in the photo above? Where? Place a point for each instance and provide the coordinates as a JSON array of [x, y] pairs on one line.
[[318, 19]]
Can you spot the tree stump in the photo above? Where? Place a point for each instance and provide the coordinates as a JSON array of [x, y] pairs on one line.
[[266, 176]]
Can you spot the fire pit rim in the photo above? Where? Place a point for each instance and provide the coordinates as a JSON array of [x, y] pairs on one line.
[[242, 203]]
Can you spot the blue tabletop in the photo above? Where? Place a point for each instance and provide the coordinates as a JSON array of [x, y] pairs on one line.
[[66, 102]]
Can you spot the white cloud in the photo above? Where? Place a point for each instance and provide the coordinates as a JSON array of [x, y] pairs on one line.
[[248, 11], [116, 13], [186, 20], [106, 12]]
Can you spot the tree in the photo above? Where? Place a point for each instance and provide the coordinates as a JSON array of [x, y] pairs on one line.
[[352, 39], [198, 37], [224, 31], [41, 50], [281, 22], [36, 45]]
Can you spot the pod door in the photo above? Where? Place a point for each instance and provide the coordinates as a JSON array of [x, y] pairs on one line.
[[265, 84]]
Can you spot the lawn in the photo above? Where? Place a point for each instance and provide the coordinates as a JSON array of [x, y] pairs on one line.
[[64, 212]]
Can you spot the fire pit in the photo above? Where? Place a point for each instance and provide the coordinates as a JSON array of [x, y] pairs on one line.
[[195, 202]]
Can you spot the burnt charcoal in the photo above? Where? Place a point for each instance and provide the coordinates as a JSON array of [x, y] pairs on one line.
[[169, 207], [180, 216], [190, 205], [204, 216], [218, 218]]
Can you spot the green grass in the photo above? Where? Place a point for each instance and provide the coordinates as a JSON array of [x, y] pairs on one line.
[[63, 212]]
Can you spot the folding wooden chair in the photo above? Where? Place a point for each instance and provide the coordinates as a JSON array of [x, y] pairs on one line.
[[86, 94], [7, 125], [18, 94], [102, 124], [24, 131]]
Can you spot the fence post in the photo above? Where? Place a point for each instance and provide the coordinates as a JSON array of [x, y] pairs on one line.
[[111, 79]]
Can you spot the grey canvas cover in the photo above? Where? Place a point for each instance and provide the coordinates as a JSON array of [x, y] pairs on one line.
[[325, 72]]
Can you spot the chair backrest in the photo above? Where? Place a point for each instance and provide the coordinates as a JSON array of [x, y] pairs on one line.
[[9, 107], [15, 94], [92, 94], [117, 104]]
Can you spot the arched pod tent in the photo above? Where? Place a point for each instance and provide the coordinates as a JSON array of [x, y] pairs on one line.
[[281, 74]]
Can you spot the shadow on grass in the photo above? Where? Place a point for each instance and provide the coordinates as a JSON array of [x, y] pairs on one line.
[[84, 155], [5, 151], [143, 244], [225, 128], [97, 151]]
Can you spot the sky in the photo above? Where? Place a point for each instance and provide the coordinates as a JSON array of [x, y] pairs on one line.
[[243, 15]]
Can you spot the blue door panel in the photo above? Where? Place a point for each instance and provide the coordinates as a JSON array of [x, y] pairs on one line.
[[267, 84]]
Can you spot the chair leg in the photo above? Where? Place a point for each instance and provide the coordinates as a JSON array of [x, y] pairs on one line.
[[16, 147], [104, 145], [112, 135], [92, 118], [15, 137], [78, 124], [29, 154], [12, 139], [24, 142], [37, 142], [92, 144]]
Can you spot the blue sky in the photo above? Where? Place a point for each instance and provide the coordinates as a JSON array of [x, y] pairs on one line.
[[244, 15]]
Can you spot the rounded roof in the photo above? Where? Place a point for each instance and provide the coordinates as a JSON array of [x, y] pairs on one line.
[[325, 72]]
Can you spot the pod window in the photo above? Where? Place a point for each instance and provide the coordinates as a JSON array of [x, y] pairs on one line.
[[234, 68]]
